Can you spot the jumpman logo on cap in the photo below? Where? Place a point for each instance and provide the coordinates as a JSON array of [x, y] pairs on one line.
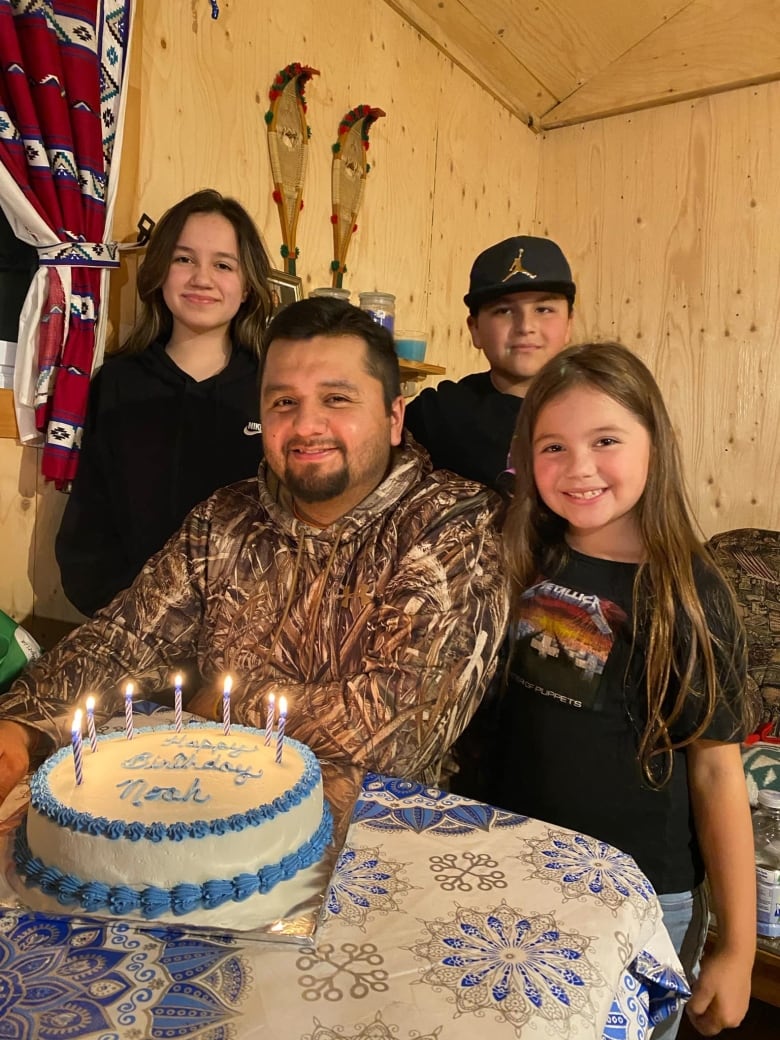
[[517, 268]]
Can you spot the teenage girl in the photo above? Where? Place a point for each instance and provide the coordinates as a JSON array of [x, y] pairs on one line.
[[623, 711], [173, 415]]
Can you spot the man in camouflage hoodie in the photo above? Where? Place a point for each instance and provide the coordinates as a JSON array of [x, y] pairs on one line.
[[346, 577]]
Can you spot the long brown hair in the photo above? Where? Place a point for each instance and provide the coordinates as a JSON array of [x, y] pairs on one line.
[[665, 596], [155, 321]]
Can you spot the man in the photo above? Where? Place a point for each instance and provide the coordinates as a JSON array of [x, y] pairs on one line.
[[345, 577], [520, 301]]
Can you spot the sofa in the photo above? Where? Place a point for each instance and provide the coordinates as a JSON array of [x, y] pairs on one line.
[[750, 559]]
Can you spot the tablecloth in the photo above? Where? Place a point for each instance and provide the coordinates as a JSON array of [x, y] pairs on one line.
[[444, 918]]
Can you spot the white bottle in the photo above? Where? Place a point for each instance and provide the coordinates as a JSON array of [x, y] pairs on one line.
[[766, 841]]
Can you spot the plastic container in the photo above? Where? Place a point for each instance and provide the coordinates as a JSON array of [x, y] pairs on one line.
[[766, 841], [332, 292], [411, 346], [381, 307]]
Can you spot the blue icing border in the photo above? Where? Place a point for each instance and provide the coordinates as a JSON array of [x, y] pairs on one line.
[[45, 802], [183, 898]]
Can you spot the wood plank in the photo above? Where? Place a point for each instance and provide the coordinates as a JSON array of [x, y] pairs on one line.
[[674, 251], [409, 367], [417, 372], [17, 523], [463, 38], [709, 46], [565, 43], [766, 975], [8, 427]]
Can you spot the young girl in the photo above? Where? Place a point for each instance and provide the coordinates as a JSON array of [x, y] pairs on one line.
[[623, 709], [173, 415]]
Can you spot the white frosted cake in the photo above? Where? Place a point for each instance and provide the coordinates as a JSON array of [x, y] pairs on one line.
[[194, 825]]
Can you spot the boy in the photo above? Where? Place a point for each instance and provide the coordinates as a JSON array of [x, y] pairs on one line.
[[520, 301]]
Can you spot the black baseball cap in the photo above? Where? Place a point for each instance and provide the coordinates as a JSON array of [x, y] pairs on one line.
[[520, 264]]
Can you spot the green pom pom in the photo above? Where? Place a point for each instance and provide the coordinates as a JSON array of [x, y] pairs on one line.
[[334, 265], [284, 251], [308, 132], [268, 116], [335, 148], [368, 168]]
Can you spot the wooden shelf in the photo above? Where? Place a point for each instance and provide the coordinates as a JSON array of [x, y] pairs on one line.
[[8, 426], [765, 983], [418, 370]]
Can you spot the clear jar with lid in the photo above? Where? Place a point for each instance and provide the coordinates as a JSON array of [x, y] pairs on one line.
[[766, 841], [332, 292], [381, 307]]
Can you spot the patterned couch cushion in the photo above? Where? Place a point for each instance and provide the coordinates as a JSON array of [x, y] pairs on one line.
[[750, 559], [761, 763]]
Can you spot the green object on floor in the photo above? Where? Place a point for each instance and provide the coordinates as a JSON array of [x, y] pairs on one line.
[[17, 649]]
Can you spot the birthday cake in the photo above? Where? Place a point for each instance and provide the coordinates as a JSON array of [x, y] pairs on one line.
[[170, 825]]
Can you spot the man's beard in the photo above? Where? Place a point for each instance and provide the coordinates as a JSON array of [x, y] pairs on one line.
[[317, 487]]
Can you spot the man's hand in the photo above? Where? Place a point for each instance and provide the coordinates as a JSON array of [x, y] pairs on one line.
[[16, 744]]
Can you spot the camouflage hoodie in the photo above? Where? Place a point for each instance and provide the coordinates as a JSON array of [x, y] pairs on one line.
[[381, 630]]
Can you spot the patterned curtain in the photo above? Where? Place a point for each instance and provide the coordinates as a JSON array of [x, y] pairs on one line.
[[61, 107]]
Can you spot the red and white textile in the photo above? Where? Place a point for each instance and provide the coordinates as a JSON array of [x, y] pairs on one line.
[[63, 68]]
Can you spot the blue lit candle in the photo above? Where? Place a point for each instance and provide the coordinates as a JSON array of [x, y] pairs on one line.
[[91, 723], [177, 703], [129, 711], [77, 751], [269, 719], [226, 705], [280, 729]]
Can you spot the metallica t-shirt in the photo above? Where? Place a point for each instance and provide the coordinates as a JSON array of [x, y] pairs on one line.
[[573, 714]]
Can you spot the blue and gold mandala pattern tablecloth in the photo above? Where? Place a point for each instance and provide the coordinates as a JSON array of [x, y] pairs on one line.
[[444, 919]]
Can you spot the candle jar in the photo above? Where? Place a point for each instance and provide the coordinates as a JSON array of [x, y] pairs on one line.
[[381, 307], [332, 292], [410, 346]]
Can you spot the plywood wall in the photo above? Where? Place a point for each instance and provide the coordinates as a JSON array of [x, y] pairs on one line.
[[670, 218], [452, 172]]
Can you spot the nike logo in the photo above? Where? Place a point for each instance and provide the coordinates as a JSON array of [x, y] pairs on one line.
[[252, 429]]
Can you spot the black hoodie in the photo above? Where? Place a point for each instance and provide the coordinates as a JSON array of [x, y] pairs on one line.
[[156, 442], [466, 427]]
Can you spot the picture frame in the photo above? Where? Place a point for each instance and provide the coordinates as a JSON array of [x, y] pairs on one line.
[[285, 288]]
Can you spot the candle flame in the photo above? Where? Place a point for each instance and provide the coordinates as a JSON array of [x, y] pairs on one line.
[[177, 680], [282, 705], [228, 684], [77, 721], [129, 690], [90, 703], [271, 698]]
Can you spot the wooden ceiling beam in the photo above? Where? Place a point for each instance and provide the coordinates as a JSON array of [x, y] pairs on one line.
[[463, 38], [564, 43], [708, 47]]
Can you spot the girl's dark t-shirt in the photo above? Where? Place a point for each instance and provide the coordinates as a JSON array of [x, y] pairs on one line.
[[573, 712]]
